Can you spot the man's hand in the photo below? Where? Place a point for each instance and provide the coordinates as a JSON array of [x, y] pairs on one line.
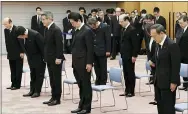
[[173, 87], [133, 59], [107, 54], [88, 67], [22, 55], [58, 61], [151, 63]]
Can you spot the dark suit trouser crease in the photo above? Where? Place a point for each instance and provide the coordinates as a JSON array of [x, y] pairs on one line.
[[129, 75], [100, 66], [55, 79], [115, 46], [83, 79], [37, 77], [16, 67], [165, 101]]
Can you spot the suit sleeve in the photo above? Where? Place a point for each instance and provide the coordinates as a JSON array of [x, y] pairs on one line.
[[32, 26], [175, 63], [21, 41], [5, 38], [108, 38], [59, 44], [40, 43], [89, 46], [153, 57], [164, 23], [135, 43]]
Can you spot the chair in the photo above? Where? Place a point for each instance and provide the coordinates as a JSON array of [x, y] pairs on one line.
[[24, 71], [140, 76], [183, 74], [115, 75], [120, 62], [181, 107]]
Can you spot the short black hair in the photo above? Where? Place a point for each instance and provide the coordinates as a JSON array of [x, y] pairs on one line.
[[38, 8], [156, 9], [94, 10], [75, 16], [143, 11], [20, 30], [133, 12], [127, 18], [185, 13], [184, 17], [149, 16], [89, 14], [122, 10], [68, 11], [159, 28], [81, 8]]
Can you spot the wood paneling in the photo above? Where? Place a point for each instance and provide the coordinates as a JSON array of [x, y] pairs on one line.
[[129, 6]]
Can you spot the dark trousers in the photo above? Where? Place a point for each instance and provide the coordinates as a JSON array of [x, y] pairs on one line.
[[115, 46], [37, 77], [67, 45], [16, 68], [129, 75], [55, 79], [185, 61], [100, 66], [165, 100], [83, 79]]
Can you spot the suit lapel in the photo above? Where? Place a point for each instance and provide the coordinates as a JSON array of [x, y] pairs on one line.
[[183, 34], [163, 49], [76, 33]]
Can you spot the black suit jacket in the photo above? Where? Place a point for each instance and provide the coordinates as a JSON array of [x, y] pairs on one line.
[[13, 44], [102, 40], [151, 53], [183, 44], [82, 47], [167, 65], [106, 20], [53, 44], [35, 26], [129, 43], [161, 21], [137, 25], [34, 48], [66, 25], [115, 26]]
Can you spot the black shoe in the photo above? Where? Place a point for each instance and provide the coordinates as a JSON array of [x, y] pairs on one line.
[[130, 95], [186, 89], [14, 88], [35, 95], [54, 102], [76, 111], [124, 94], [9, 87], [153, 103], [47, 102], [28, 95], [183, 88], [150, 83], [84, 112]]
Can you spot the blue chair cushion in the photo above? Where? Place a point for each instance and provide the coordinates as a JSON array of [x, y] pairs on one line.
[[138, 76], [101, 87], [181, 107], [25, 70], [69, 81]]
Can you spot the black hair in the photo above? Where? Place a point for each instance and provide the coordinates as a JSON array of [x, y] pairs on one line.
[[20, 30], [143, 11], [75, 16], [127, 18], [184, 17], [38, 8], [156, 9], [68, 11], [94, 10]]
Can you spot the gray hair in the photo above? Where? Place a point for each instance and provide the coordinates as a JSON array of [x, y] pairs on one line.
[[159, 28], [92, 20], [48, 14]]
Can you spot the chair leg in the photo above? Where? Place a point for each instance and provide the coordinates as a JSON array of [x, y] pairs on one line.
[[143, 91], [73, 97]]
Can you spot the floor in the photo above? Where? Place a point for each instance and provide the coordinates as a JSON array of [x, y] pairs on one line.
[[14, 103]]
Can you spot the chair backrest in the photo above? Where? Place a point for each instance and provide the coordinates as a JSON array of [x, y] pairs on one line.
[[120, 62], [63, 66], [184, 70], [115, 74], [148, 67]]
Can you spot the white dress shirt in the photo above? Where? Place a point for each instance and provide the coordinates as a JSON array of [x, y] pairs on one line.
[[50, 25], [150, 44]]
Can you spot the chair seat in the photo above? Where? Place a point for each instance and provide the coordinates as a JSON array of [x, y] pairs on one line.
[[181, 107], [25, 70], [69, 81], [138, 76], [101, 87]]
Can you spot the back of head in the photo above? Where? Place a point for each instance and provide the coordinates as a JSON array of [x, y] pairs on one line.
[[20, 30], [75, 16]]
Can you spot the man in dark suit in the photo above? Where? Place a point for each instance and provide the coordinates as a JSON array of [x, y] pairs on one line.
[[129, 51], [102, 43], [183, 44], [82, 61], [36, 23], [67, 29], [82, 13], [15, 53], [53, 55], [104, 19], [94, 13], [34, 49], [167, 76], [158, 18], [116, 33], [178, 29]]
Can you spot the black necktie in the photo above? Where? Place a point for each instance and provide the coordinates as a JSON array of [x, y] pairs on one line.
[[118, 18], [159, 49]]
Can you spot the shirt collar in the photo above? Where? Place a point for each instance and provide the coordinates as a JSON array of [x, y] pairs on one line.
[[185, 29], [127, 25], [80, 26], [11, 27], [26, 32], [162, 42], [50, 25]]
